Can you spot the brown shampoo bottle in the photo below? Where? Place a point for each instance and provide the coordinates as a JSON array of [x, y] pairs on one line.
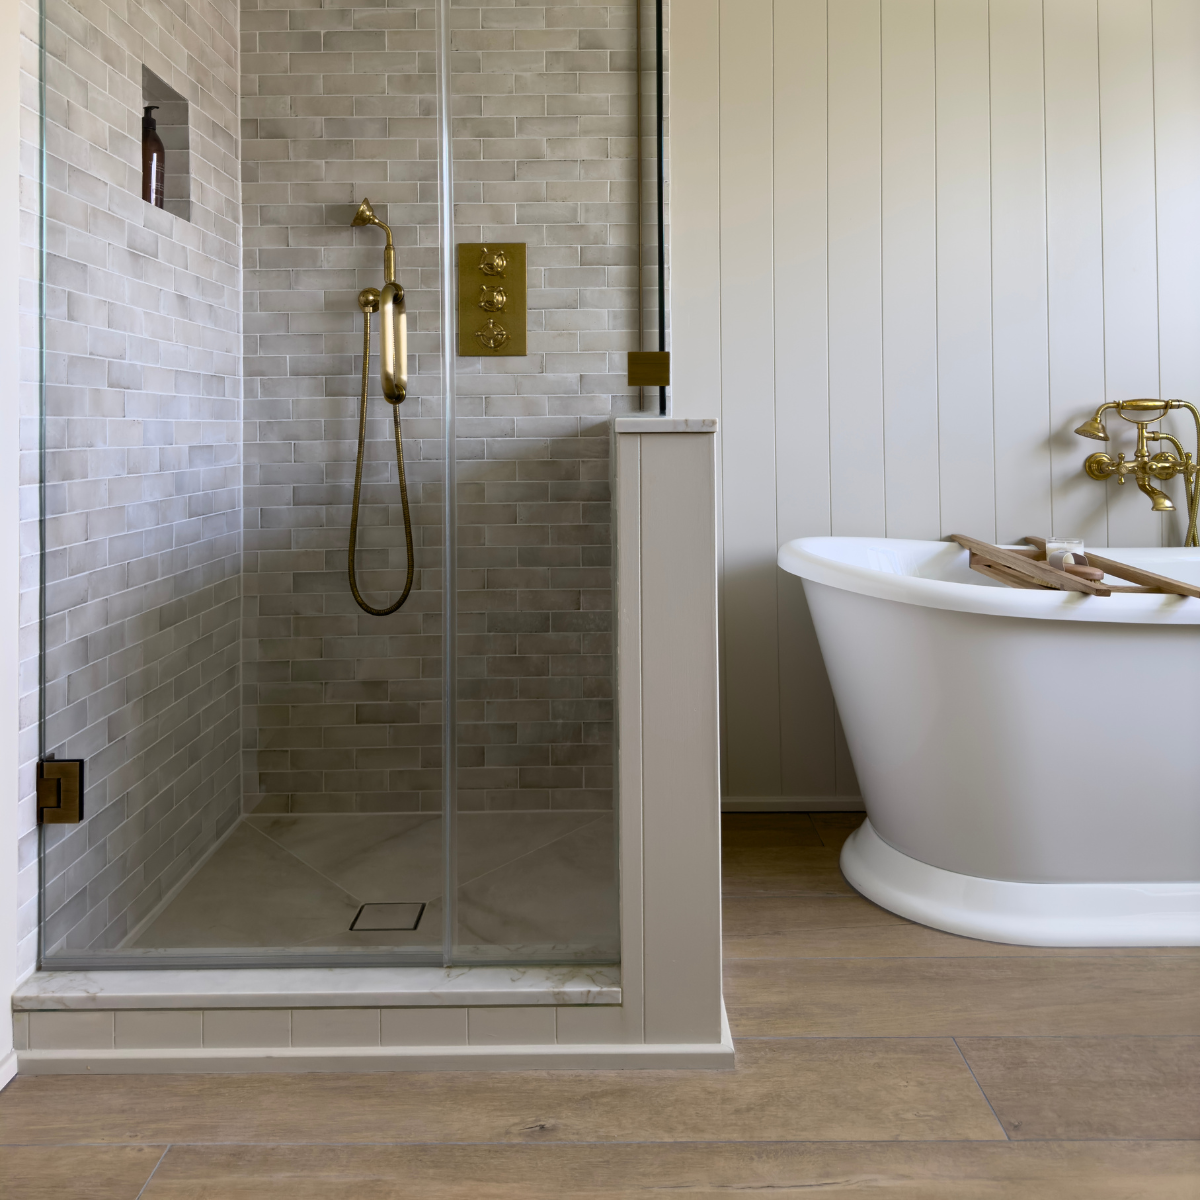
[[154, 159]]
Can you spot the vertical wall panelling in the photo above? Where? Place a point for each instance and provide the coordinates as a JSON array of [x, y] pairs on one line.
[[1130, 240], [1075, 263], [12, 317], [1020, 365], [747, 382], [1177, 176], [801, 434], [696, 93], [909, 201], [855, 286], [1010, 237], [964, 269]]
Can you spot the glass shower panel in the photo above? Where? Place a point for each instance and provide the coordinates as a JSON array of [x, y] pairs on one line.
[[262, 759], [543, 156]]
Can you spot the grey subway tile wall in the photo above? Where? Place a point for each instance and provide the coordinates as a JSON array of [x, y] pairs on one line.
[[544, 153], [343, 709], [142, 464], [339, 102]]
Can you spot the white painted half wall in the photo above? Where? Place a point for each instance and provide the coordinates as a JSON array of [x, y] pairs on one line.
[[915, 242]]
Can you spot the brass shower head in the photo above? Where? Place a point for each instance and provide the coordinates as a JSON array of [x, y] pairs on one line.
[[1093, 429], [365, 215]]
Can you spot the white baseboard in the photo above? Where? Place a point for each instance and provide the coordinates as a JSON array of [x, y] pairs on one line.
[[8, 1069], [792, 804]]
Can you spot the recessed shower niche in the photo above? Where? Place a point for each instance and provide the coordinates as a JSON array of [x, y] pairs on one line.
[[165, 119]]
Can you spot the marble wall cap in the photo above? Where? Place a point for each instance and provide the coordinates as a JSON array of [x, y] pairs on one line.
[[320, 987], [652, 423]]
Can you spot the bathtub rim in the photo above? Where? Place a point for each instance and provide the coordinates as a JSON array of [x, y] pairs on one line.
[[1115, 915], [803, 557]]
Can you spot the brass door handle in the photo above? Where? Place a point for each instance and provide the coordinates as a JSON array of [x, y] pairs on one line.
[[393, 342]]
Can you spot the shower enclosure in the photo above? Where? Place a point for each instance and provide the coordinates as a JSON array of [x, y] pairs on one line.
[[270, 773]]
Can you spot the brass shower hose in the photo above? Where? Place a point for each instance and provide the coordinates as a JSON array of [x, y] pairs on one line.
[[358, 471]]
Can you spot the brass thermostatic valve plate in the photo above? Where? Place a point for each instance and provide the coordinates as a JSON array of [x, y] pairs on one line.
[[492, 301], [60, 791]]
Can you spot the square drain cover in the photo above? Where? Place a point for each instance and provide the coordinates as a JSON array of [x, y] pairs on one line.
[[387, 916]]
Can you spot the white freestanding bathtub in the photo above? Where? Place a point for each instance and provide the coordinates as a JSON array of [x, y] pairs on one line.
[[1029, 760]]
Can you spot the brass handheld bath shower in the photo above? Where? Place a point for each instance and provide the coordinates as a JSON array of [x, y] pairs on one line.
[[388, 301]]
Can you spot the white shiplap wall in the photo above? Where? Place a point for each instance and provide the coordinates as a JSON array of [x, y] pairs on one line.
[[915, 242]]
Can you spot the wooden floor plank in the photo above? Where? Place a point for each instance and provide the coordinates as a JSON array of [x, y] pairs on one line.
[[850, 926], [965, 997], [849, 1084], [97, 1172], [1145, 1087], [807, 1090], [899, 1171]]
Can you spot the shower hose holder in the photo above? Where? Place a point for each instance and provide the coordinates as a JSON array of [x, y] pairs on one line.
[[388, 301]]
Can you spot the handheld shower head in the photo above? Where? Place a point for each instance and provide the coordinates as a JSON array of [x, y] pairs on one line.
[[366, 216]]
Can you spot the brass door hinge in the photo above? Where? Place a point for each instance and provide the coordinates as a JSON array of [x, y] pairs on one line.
[[60, 791]]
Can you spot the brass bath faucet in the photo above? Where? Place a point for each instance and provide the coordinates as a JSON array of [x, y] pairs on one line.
[[1145, 467]]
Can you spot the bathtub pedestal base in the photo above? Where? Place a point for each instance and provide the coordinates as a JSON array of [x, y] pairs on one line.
[[1023, 914]]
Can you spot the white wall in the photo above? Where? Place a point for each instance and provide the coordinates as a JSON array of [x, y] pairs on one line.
[[10, 377], [915, 242]]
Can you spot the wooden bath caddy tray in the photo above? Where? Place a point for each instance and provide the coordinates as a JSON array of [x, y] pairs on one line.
[[1028, 568]]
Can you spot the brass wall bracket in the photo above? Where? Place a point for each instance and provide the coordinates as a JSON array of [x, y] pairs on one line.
[[649, 368], [492, 300], [60, 791]]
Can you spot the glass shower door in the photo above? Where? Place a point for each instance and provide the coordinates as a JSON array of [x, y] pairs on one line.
[[276, 767], [262, 758]]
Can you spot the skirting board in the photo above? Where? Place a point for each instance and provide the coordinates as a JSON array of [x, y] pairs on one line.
[[712, 1056], [792, 804], [8, 1069]]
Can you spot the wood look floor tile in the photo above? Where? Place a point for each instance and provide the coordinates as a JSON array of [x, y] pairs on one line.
[[1145, 1087], [899, 1171], [834, 828], [97, 1172], [768, 829], [968, 997], [783, 870], [851, 926], [774, 853], [793, 1089]]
